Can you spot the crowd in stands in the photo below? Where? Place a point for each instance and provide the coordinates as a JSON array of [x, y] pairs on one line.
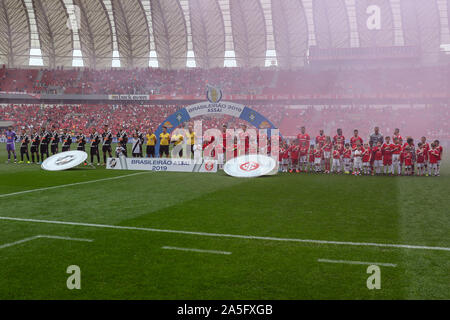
[[308, 80], [416, 121]]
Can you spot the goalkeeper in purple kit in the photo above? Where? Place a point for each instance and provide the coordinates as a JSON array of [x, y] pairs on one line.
[[10, 143]]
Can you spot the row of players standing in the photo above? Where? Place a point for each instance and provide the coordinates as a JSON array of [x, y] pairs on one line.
[[330, 155], [38, 142]]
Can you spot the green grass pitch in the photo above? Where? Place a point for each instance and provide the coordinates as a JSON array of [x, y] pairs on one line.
[[126, 263]]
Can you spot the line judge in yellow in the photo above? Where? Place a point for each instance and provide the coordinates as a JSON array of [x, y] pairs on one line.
[[178, 139], [164, 141], [191, 138], [151, 142]]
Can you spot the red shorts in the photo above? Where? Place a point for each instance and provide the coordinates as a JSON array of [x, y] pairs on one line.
[[387, 161]]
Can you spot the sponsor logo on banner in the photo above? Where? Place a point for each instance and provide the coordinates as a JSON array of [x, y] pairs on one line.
[[167, 124], [213, 94], [138, 97], [162, 164], [64, 160], [209, 166], [225, 108]]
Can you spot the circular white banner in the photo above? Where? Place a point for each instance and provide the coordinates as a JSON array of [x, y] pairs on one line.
[[249, 166], [64, 160]]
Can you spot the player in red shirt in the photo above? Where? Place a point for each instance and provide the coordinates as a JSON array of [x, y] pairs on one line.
[[420, 159], [294, 152], [320, 139], [355, 140], [377, 153], [339, 140], [327, 148], [311, 158], [303, 138], [408, 160], [246, 136], [387, 155], [440, 150], [396, 135], [366, 157], [347, 157], [318, 155], [434, 158], [303, 141], [426, 149], [336, 160], [396, 154], [284, 156]]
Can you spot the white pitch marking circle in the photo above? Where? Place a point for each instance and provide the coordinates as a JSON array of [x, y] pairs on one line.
[[249, 166], [64, 160]]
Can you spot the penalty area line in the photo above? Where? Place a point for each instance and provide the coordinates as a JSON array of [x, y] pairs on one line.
[[195, 250], [235, 236], [6, 245], [69, 185], [358, 262]]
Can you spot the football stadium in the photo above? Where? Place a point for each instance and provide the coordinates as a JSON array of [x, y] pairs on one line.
[[224, 150]]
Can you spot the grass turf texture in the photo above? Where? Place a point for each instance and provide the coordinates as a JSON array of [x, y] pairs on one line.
[[131, 264]]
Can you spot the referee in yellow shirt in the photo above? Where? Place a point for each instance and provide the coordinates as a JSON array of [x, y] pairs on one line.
[[151, 141], [177, 139], [191, 138], [164, 141]]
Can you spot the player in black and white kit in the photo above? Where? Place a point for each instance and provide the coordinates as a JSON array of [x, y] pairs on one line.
[[95, 141], [24, 141], [54, 141], [136, 149], [45, 140], [122, 138], [66, 140], [81, 140], [106, 142], [141, 137], [35, 142]]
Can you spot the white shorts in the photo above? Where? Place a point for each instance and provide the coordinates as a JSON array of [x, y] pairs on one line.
[[366, 164], [303, 159], [395, 158], [284, 161], [317, 160], [336, 163], [420, 165], [347, 161], [357, 164], [220, 158], [378, 163], [327, 154]]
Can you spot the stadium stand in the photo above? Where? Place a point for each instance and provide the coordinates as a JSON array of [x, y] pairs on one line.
[[406, 81], [432, 120]]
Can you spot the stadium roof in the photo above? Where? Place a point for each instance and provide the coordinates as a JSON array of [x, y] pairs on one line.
[[176, 34]]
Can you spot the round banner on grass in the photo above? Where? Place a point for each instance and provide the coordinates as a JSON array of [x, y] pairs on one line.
[[64, 160], [249, 166]]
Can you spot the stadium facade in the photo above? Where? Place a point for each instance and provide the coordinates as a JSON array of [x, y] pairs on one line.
[[175, 34]]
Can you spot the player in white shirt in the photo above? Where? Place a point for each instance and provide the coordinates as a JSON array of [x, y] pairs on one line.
[[357, 160]]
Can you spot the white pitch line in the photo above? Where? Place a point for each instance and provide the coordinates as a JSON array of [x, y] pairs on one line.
[[358, 262], [17, 242], [69, 185], [196, 250], [42, 236], [221, 235]]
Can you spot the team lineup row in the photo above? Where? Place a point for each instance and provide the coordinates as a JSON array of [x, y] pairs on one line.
[[326, 155], [335, 155]]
